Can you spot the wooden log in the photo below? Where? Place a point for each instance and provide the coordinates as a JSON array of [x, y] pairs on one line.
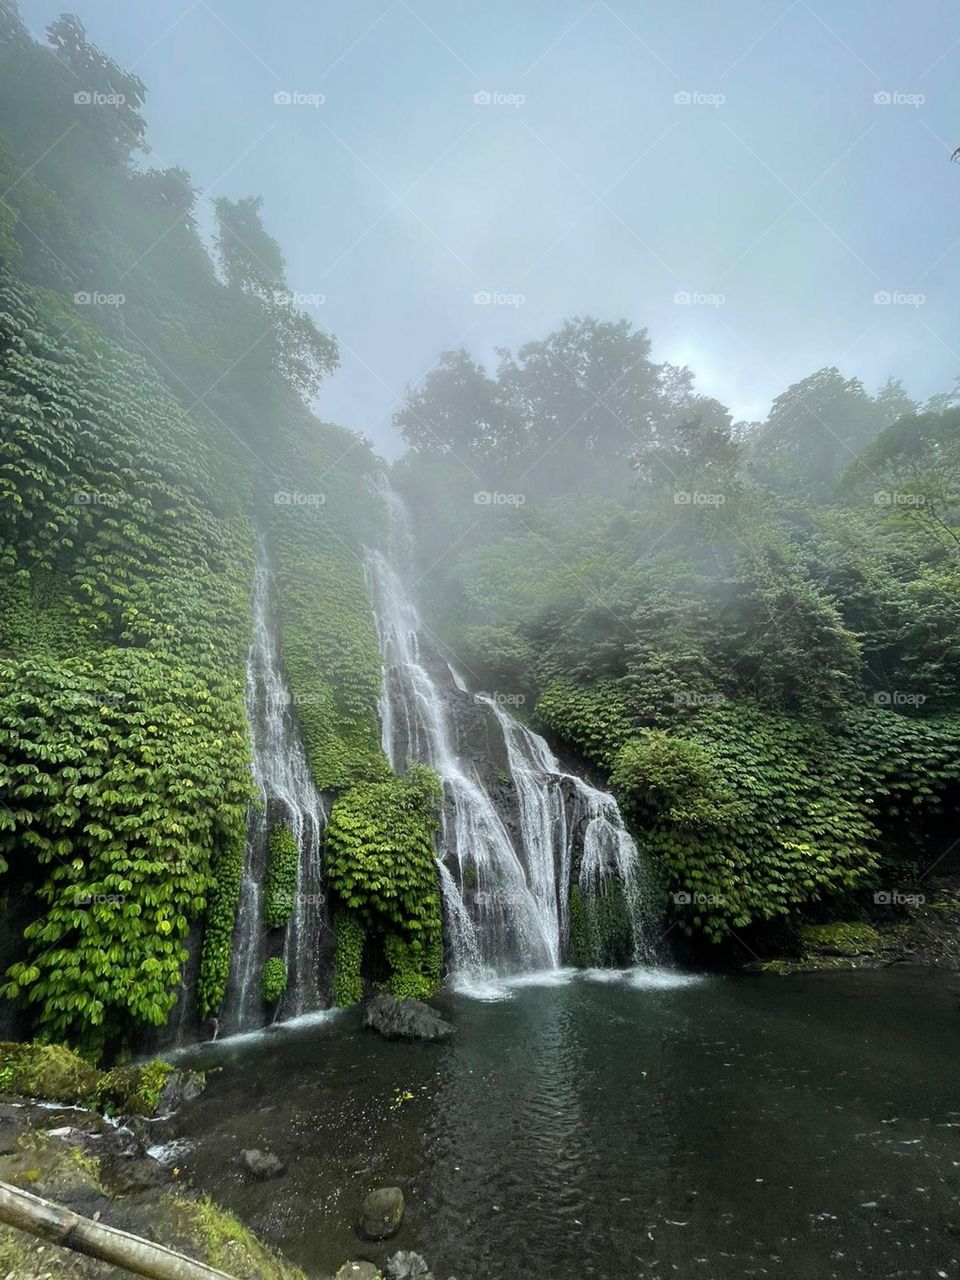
[[62, 1226]]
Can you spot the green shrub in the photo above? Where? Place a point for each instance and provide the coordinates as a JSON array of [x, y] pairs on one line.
[[273, 984], [282, 867], [347, 982]]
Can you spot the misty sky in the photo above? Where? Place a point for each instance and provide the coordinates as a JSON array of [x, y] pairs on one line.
[[782, 197]]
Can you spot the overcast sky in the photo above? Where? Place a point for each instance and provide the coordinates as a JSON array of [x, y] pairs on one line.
[[621, 155]]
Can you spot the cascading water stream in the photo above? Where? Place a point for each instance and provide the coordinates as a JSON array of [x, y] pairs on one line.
[[286, 794], [508, 844]]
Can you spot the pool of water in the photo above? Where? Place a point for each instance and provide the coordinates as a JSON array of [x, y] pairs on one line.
[[641, 1125]]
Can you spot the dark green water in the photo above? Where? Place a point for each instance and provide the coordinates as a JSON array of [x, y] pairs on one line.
[[730, 1127]]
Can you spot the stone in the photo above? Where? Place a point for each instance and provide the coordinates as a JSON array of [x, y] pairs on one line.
[[263, 1164], [181, 1087], [130, 1175], [381, 1213], [358, 1271], [404, 1019], [406, 1265]]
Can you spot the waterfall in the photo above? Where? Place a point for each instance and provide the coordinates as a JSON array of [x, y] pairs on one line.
[[513, 821], [285, 794]]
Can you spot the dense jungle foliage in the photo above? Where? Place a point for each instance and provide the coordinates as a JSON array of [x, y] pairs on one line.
[[155, 417], [750, 629]]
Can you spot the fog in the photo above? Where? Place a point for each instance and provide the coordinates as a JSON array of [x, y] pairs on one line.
[[765, 187]]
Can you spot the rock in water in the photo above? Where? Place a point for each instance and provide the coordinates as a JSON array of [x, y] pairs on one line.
[[405, 1019], [381, 1213], [405, 1265], [263, 1164], [181, 1087], [358, 1271]]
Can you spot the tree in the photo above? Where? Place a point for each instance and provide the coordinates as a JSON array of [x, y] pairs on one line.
[[110, 97], [584, 396], [252, 262], [814, 430], [457, 409]]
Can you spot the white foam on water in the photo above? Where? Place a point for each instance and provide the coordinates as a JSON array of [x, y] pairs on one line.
[[645, 978]]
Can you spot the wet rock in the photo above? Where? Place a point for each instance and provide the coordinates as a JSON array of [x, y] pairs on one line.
[[404, 1019], [381, 1213], [181, 1087], [130, 1175], [263, 1164], [358, 1271], [406, 1265]]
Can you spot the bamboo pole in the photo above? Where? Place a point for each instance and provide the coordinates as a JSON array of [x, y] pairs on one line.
[[62, 1226]]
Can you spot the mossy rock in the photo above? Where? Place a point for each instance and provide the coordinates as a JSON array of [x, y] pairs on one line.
[[133, 1090], [845, 938], [50, 1072]]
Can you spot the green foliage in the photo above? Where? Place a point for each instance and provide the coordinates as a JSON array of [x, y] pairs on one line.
[[329, 643], [750, 815], [126, 468], [379, 853], [284, 857], [133, 1090], [675, 779], [415, 966], [381, 865], [347, 982], [216, 952], [123, 746], [578, 942], [50, 1072], [601, 934], [273, 983]]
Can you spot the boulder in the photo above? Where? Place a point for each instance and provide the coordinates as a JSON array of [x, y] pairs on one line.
[[406, 1265], [404, 1019], [381, 1213], [262, 1164], [358, 1271]]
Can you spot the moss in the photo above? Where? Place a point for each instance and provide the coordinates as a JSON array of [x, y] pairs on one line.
[[578, 946], [49, 1072], [226, 1243], [843, 938], [134, 1090]]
